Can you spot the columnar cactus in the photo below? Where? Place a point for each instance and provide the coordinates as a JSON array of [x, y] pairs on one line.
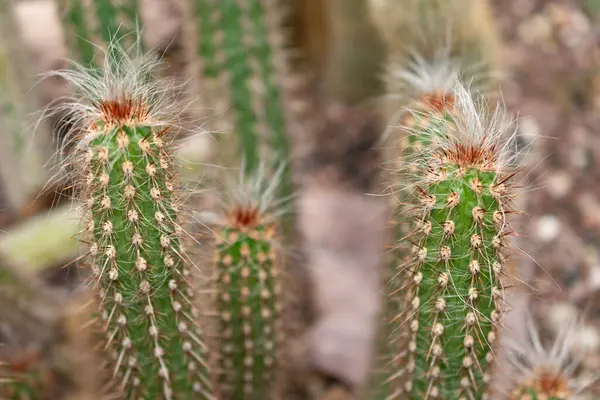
[[241, 49], [139, 268], [427, 88], [97, 22], [248, 293], [459, 176]]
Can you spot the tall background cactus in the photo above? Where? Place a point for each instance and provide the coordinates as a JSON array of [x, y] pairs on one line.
[[94, 24], [245, 69]]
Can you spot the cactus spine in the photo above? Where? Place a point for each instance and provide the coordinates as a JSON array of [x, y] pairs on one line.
[[453, 292], [140, 271], [248, 287]]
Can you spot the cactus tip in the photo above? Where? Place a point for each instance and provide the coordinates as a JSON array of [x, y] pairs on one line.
[[546, 371]]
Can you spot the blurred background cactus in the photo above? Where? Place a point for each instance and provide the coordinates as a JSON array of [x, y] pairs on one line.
[[334, 105]]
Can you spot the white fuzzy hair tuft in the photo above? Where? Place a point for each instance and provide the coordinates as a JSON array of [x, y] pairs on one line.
[[257, 193], [480, 124], [531, 361], [127, 77], [438, 75], [477, 134]]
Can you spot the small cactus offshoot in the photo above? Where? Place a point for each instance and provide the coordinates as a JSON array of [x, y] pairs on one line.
[[452, 297], [542, 372], [248, 291], [140, 272]]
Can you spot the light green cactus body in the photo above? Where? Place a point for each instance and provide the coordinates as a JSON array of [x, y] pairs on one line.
[[448, 292], [97, 22], [249, 307], [139, 265], [242, 55]]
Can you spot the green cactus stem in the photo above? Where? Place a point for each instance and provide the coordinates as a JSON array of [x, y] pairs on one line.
[[97, 22], [140, 271], [452, 298], [248, 273], [248, 287], [428, 85], [241, 49], [42, 241]]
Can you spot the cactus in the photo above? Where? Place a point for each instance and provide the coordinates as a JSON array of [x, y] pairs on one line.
[[140, 271], [539, 372], [454, 295], [462, 28], [245, 68], [428, 41], [427, 88], [97, 22], [42, 241], [248, 291]]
